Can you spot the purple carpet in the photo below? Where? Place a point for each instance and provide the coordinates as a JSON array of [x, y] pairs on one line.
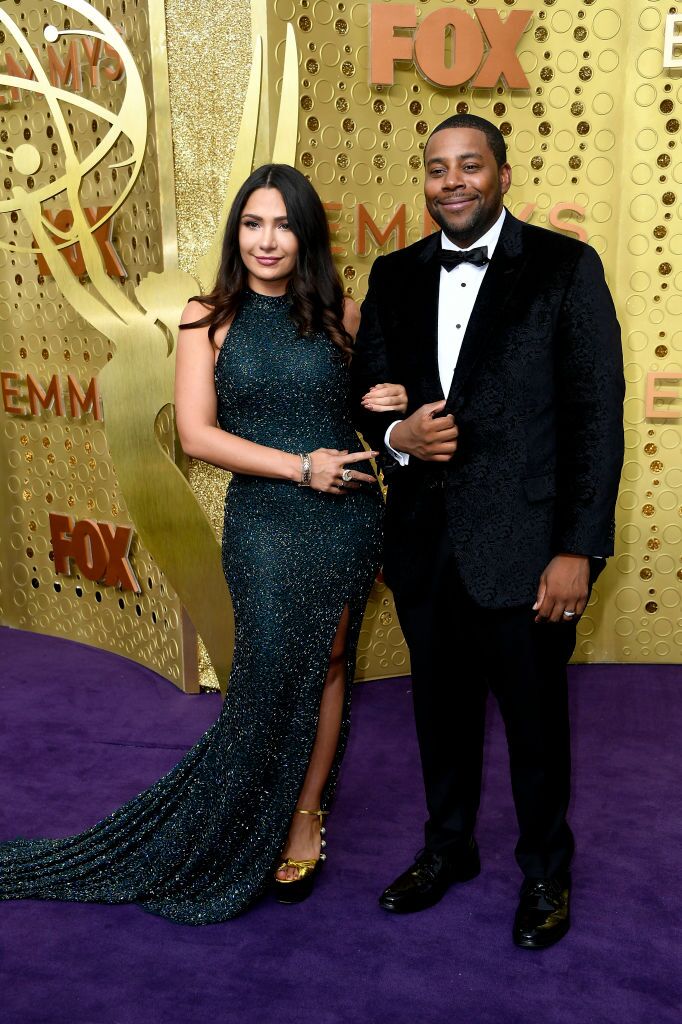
[[84, 730]]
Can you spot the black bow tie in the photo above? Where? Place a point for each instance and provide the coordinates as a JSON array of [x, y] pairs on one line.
[[450, 258]]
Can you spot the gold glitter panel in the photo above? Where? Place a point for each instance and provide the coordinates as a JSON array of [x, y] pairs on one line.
[[598, 123], [593, 144], [638, 613], [57, 461], [594, 148], [206, 98], [88, 360]]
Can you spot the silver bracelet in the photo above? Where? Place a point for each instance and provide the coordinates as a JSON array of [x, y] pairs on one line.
[[306, 470]]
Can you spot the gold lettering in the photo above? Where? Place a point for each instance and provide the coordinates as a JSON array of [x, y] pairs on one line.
[[563, 225], [63, 220], [461, 35], [100, 550], [104, 236], [429, 224], [9, 392], [502, 61], [672, 41], [15, 69], [365, 224], [51, 396], [80, 403], [527, 212], [63, 72], [117, 69], [386, 46], [337, 250], [73, 254], [667, 395], [466, 42], [89, 550], [60, 535], [92, 52], [119, 569]]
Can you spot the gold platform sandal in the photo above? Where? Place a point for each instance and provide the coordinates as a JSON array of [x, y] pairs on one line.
[[294, 890]]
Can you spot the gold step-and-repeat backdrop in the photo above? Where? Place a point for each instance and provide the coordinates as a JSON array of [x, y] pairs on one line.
[[126, 127]]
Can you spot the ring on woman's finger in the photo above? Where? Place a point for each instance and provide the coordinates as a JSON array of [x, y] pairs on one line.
[[568, 615], [347, 476]]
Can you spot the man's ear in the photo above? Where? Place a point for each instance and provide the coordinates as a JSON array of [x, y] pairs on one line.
[[505, 178]]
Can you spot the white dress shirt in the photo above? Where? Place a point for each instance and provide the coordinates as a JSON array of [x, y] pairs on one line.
[[457, 294]]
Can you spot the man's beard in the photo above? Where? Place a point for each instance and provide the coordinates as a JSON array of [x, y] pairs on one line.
[[478, 222]]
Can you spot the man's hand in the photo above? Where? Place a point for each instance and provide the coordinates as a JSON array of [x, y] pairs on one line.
[[425, 435], [564, 586]]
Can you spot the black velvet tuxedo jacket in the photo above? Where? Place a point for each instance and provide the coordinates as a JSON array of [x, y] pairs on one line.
[[537, 396]]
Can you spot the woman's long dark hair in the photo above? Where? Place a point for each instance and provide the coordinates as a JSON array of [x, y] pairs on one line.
[[314, 288]]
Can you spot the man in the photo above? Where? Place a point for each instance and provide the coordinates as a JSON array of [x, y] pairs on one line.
[[502, 482]]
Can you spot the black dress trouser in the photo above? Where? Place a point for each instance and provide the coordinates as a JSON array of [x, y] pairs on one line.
[[458, 652]]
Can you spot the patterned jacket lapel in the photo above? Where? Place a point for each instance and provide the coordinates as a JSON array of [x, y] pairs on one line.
[[487, 317], [426, 287]]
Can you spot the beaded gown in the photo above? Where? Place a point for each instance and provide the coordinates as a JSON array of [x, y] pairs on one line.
[[199, 845]]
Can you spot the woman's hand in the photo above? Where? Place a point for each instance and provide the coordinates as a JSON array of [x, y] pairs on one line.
[[386, 398], [328, 465]]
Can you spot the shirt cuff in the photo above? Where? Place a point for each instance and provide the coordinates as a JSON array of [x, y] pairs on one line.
[[400, 457]]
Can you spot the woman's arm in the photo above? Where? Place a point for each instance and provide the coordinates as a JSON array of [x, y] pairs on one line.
[[380, 397], [385, 398], [196, 410]]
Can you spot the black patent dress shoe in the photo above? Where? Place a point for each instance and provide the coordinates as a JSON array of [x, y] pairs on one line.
[[542, 917], [428, 879]]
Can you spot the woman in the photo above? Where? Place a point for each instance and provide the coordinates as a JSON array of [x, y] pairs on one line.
[[265, 356]]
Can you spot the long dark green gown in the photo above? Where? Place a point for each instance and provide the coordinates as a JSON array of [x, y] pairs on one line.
[[199, 845]]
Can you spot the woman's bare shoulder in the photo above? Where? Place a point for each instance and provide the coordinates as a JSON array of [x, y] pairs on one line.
[[193, 311]]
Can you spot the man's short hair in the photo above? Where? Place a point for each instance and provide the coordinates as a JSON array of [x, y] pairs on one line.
[[492, 133]]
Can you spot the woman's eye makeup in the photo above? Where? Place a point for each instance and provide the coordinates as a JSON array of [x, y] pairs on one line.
[[248, 223]]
